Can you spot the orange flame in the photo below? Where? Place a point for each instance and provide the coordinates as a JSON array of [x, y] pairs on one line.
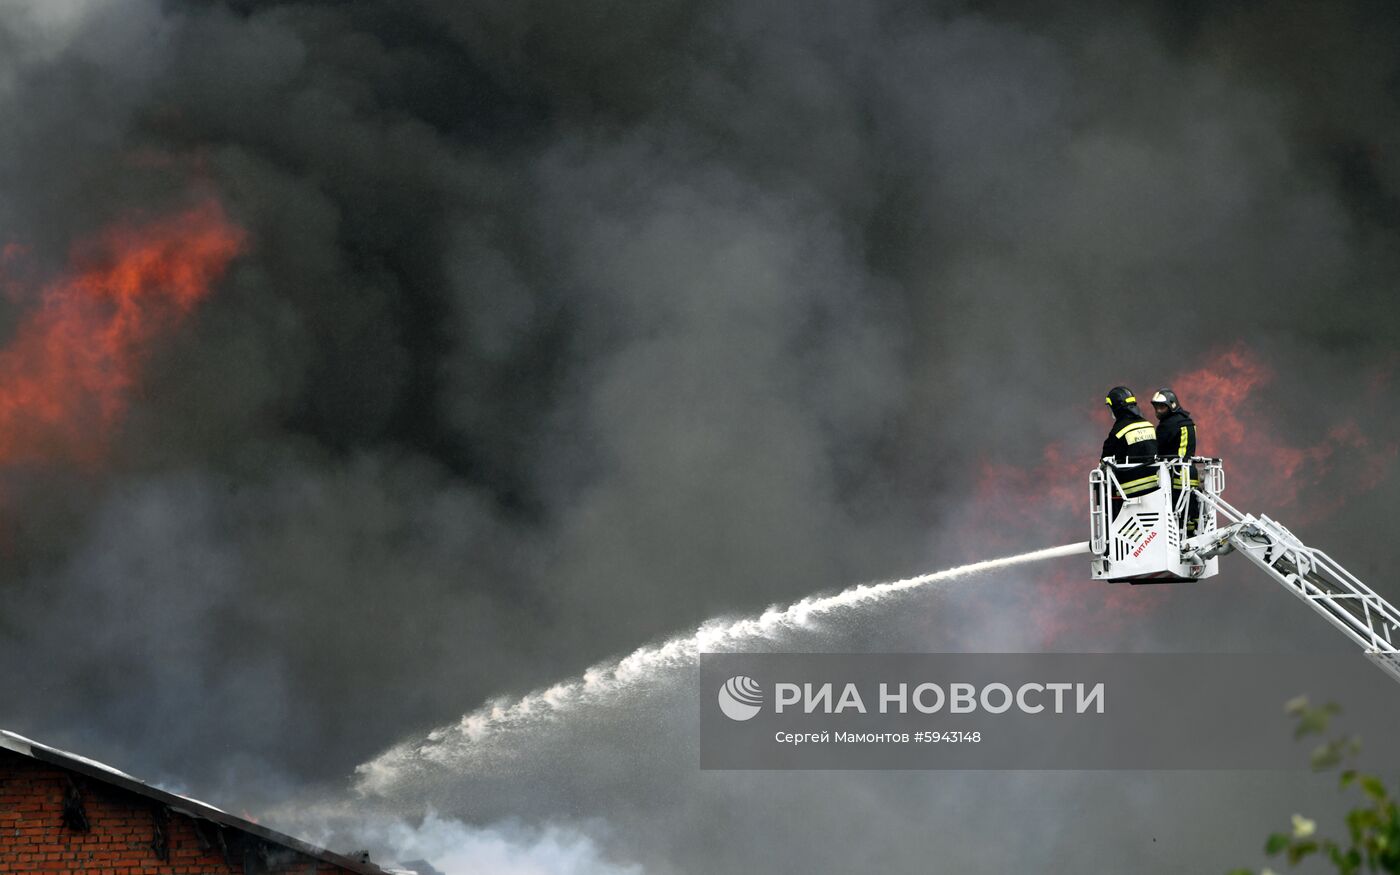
[[67, 372], [1264, 472]]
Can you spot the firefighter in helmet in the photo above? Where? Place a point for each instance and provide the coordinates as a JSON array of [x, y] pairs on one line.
[[1176, 439], [1132, 439]]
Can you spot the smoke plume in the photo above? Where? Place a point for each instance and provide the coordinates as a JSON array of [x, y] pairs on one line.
[[532, 333]]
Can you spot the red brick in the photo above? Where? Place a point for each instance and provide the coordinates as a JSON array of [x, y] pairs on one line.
[[33, 838]]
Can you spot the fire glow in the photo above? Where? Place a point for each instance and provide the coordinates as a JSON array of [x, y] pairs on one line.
[[73, 360], [1268, 471], [1226, 394], [1048, 498]]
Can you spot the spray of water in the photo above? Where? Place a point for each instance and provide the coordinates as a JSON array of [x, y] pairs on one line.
[[468, 741]]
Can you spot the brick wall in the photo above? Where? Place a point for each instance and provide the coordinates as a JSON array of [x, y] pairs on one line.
[[127, 834]]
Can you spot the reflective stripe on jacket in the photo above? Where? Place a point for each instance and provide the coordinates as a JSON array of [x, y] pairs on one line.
[[1176, 438], [1133, 439]]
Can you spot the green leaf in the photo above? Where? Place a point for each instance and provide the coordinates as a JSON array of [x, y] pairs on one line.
[[1277, 842], [1347, 777], [1300, 850], [1373, 787], [1346, 862], [1353, 862], [1357, 820], [1326, 756], [1365, 818], [1310, 724]]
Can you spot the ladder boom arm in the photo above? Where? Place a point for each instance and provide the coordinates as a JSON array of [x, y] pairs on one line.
[[1358, 611]]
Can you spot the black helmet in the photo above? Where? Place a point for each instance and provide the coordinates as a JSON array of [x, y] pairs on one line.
[[1166, 397], [1120, 398]]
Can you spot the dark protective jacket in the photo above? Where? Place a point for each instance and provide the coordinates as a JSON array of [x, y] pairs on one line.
[[1133, 439], [1176, 438]]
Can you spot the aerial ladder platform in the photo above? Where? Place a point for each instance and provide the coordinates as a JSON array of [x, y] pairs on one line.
[[1177, 536]]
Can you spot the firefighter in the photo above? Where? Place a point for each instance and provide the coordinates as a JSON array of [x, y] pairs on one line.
[[1132, 439], [1176, 439]]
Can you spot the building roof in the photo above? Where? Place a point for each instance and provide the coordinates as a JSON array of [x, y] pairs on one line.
[[104, 773]]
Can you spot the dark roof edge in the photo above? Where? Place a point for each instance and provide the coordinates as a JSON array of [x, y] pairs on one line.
[[191, 807]]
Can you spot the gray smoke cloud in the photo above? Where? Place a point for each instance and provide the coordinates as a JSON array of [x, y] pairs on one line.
[[564, 327]]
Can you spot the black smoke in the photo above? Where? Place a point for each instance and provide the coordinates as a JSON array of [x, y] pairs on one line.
[[566, 325]]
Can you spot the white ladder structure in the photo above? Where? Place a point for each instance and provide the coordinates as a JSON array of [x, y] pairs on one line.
[[1310, 574]]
